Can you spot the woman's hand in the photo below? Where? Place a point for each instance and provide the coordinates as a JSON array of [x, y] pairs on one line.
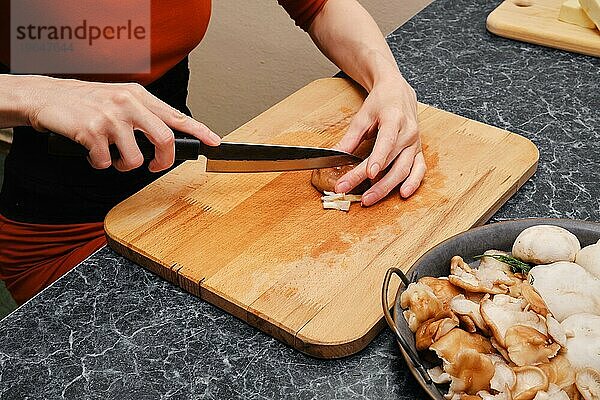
[[390, 112], [97, 115]]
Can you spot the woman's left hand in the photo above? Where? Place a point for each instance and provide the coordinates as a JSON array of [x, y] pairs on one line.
[[390, 112]]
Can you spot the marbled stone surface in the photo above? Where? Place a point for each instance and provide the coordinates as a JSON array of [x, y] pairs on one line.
[[109, 329]]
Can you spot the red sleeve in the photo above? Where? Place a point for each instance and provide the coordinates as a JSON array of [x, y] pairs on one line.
[[303, 12]]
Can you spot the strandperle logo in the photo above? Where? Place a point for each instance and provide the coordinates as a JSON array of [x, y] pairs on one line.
[[84, 31], [80, 37]]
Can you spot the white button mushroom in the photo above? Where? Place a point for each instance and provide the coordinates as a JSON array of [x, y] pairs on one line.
[[583, 340], [545, 244], [589, 258], [566, 288]]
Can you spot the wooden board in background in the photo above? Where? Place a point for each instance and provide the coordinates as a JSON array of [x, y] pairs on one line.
[[536, 21], [261, 247]]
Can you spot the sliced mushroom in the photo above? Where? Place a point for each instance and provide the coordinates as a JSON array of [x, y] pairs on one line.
[[422, 304], [583, 340], [443, 289], [589, 258], [588, 383], [432, 330], [471, 372], [503, 312], [529, 381], [463, 276], [461, 306], [449, 345], [545, 244], [566, 288], [528, 346]]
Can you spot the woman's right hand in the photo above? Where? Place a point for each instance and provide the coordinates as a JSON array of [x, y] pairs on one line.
[[97, 115]]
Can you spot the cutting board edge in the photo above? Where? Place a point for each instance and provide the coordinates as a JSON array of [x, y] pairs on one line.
[[121, 248], [497, 26]]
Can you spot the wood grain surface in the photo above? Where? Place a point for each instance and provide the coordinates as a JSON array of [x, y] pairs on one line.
[[536, 21], [261, 247]]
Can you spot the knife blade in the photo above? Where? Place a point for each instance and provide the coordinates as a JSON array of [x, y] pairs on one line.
[[228, 156]]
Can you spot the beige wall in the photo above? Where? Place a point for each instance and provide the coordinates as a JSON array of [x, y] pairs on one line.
[[253, 56]]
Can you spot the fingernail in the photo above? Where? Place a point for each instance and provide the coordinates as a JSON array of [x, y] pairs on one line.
[[374, 170], [343, 187], [368, 199], [407, 191]]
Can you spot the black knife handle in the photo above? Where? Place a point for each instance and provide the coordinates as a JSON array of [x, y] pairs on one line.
[[186, 148]]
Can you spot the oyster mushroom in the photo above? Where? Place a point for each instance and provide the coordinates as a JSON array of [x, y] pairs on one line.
[[422, 304], [494, 272], [528, 346], [442, 288], [501, 350], [465, 277], [553, 393], [533, 298], [471, 372], [432, 330], [438, 375], [462, 306], [449, 345], [484, 395], [545, 244], [529, 381], [589, 258], [503, 312], [559, 371], [555, 330], [588, 383], [504, 378], [566, 288], [492, 263], [583, 340]]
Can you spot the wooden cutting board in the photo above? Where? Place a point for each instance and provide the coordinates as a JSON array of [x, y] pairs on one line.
[[261, 247], [536, 21]]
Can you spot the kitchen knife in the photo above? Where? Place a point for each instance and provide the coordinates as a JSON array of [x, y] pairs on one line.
[[228, 156]]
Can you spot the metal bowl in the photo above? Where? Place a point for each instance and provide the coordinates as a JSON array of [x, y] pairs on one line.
[[436, 262]]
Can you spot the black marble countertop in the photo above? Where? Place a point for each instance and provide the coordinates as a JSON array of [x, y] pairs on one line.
[[109, 329]]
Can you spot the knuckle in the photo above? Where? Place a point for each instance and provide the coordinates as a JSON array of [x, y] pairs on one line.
[[133, 161], [99, 124], [178, 115], [165, 139], [134, 87], [121, 97], [403, 171]]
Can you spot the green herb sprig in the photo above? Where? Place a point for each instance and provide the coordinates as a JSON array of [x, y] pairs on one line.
[[516, 265]]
